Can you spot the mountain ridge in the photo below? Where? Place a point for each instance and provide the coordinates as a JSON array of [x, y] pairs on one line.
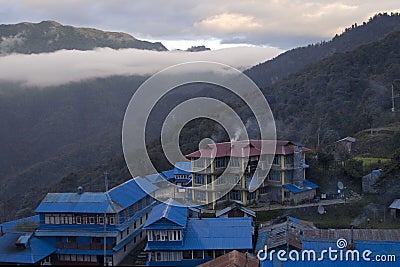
[[50, 36]]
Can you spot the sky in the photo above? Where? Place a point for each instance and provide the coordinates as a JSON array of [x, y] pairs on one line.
[[283, 24], [240, 33]]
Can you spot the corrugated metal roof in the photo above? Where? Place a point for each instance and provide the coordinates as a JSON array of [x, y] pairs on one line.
[[86, 202], [36, 251], [246, 148], [182, 168], [348, 139], [131, 191], [218, 233], [228, 209], [232, 259], [358, 234], [168, 175], [155, 178], [395, 204], [307, 185], [171, 210], [8, 227]]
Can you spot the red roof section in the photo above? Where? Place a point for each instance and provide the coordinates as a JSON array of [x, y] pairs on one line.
[[246, 148]]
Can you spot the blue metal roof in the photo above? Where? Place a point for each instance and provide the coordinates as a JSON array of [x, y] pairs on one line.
[[131, 191], [182, 168], [33, 253], [75, 203], [168, 175], [182, 180], [155, 178], [307, 185], [170, 210], [211, 234], [218, 233], [10, 226]]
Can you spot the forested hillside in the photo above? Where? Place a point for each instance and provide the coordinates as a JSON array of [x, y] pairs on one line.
[[296, 59], [59, 137]]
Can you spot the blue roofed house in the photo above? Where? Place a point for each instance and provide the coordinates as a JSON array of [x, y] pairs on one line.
[[182, 173], [89, 228], [174, 239]]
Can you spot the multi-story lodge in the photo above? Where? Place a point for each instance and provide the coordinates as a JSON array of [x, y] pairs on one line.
[[285, 182], [95, 228], [176, 239]]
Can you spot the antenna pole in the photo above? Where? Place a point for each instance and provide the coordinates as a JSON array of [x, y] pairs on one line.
[[393, 98], [106, 180]]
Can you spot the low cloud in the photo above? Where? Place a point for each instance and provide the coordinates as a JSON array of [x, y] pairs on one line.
[[66, 66], [226, 23]]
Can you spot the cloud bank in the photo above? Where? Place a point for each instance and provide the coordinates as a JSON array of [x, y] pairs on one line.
[[66, 66]]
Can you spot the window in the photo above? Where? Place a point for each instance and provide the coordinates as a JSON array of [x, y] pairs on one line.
[[277, 160], [149, 236], [134, 240], [134, 225], [147, 215], [122, 235], [220, 180], [127, 231], [62, 219], [46, 219], [234, 162], [124, 248], [71, 239], [199, 195], [84, 220], [57, 219], [73, 257], [235, 195], [209, 180], [100, 220], [164, 235], [79, 257], [78, 220], [91, 220], [220, 163], [93, 258], [111, 220], [96, 240], [141, 220], [198, 163], [274, 175], [197, 254], [198, 178], [187, 254]]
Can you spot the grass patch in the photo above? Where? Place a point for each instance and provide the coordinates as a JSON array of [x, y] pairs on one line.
[[336, 216], [367, 161]]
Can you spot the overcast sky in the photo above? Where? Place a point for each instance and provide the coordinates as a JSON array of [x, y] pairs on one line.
[[241, 33], [223, 23]]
